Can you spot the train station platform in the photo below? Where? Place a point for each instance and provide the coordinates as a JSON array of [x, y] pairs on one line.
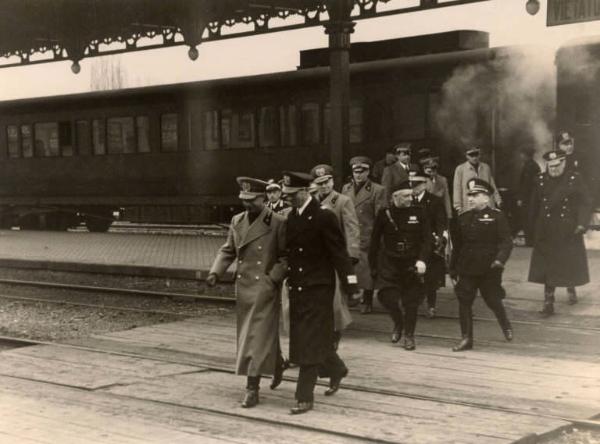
[[174, 383]]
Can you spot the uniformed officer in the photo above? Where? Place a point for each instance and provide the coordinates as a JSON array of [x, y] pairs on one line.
[[256, 241], [316, 251], [275, 202], [560, 212], [482, 245], [368, 198], [404, 234], [436, 263], [345, 214]]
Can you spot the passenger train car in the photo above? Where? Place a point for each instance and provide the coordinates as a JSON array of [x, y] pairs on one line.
[[171, 153]]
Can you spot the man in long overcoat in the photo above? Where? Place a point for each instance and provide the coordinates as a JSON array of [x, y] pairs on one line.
[[529, 173], [397, 173], [560, 208], [438, 222], [368, 198], [316, 251], [345, 214], [256, 242]]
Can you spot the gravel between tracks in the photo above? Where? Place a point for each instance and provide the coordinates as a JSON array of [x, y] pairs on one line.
[[48, 321]]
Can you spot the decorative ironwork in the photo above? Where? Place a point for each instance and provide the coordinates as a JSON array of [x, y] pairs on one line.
[[55, 30]]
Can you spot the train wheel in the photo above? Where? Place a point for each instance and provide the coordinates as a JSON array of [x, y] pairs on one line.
[[97, 224]]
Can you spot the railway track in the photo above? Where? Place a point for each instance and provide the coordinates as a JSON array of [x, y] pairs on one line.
[[577, 422], [211, 299]]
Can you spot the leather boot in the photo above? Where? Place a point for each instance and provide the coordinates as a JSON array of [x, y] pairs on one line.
[[410, 324], [409, 342], [548, 309], [572, 296], [465, 315], [280, 366], [398, 327], [251, 397], [500, 312], [367, 302]]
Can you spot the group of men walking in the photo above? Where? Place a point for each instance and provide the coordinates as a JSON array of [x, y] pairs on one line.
[[318, 248]]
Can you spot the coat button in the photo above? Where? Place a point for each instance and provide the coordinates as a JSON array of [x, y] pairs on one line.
[[300, 250], [239, 276], [258, 263], [260, 247], [240, 261], [257, 278], [299, 288], [300, 269]]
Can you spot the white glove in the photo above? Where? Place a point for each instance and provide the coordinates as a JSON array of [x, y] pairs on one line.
[[421, 267]]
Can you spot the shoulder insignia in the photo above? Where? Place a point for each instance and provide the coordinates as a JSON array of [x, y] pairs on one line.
[[368, 187], [267, 218]]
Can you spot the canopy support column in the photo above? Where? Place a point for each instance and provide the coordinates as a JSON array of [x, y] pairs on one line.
[[339, 29]]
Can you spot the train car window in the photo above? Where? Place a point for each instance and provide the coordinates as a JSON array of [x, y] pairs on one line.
[[267, 127], [288, 119], [46, 139], [65, 138], [355, 124], [99, 137], [143, 134], [26, 141], [82, 134], [226, 128], [120, 135], [409, 116], [243, 134], [211, 130], [309, 113], [168, 132], [12, 135]]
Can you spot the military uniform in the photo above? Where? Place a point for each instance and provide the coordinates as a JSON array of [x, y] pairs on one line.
[[404, 235], [279, 207], [559, 205], [482, 245]]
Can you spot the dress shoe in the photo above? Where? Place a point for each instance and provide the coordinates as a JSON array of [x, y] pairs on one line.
[[430, 313], [251, 399], [572, 298], [508, 334], [396, 334], [466, 343], [409, 343], [548, 309], [366, 309], [334, 383], [278, 375], [301, 407]]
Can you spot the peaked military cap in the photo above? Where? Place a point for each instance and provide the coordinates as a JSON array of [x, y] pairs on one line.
[[554, 156], [401, 186], [424, 152], [360, 163], [272, 185], [430, 162], [294, 181], [473, 151], [476, 185], [322, 173], [251, 188], [403, 147], [414, 176], [565, 137]]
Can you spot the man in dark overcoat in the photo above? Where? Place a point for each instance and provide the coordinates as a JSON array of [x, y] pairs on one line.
[[316, 251], [256, 242], [436, 262], [560, 210], [403, 233], [529, 172], [397, 173], [482, 245], [368, 198]]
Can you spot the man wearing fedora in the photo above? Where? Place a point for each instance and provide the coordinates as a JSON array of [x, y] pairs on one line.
[[482, 245], [368, 198], [472, 168], [256, 243], [316, 252], [560, 211]]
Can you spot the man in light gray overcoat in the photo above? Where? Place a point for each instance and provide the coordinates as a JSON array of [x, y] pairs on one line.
[[256, 242]]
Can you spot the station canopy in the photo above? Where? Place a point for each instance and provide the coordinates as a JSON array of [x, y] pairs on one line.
[[40, 31]]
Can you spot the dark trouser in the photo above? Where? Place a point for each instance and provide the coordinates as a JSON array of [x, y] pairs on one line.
[[431, 297], [253, 383], [368, 297], [390, 297], [492, 292], [332, 366], [307, 379]]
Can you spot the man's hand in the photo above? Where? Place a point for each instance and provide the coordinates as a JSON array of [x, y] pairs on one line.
[[421, 267], [211, 280], [580, 229], [497, 265]]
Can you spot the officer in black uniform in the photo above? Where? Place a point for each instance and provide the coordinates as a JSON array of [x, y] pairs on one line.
[[316, 251], [404, 233], [482, 246]]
